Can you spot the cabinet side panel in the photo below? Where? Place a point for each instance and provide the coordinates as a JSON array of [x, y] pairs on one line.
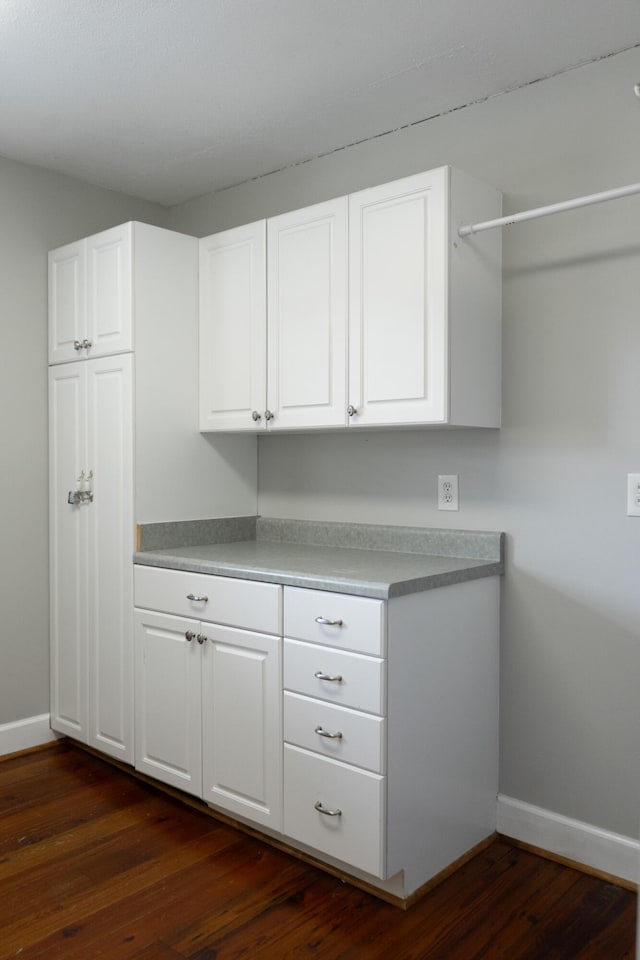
[[68, 551], [442, 726], [180, 474], [475, 305]]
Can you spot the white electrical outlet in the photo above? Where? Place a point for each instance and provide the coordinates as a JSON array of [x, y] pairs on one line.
[[633, 494], [448, 492]]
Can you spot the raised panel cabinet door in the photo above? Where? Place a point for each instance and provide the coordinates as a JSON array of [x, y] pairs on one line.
[[398, 336], [111, 545], [168, 706], [109, 291], [307, 316], [68, 551], [233, 329], [242, 725], [67, 320]]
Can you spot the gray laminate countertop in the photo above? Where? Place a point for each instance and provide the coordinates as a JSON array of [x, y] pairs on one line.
[[387, 561]]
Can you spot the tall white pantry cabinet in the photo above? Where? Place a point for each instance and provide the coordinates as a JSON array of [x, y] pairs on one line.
[[123, 309]]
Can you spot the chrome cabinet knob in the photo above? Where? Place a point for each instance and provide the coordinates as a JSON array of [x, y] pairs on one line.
[[255, 416], [189, 635], [351, 410], [201, 638], [268, 415]]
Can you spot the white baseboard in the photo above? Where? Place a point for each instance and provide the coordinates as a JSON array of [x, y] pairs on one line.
[[583, 843], [23, 734]]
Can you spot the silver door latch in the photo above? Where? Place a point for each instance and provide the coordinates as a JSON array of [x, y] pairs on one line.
[[84, 493]]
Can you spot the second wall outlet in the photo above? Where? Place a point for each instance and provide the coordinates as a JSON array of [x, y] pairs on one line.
[[448, 491]]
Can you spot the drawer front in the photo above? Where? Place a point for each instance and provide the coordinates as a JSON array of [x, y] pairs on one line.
[[357, 682], [356, 834], [354, 623], [237, 603], [334, 731]]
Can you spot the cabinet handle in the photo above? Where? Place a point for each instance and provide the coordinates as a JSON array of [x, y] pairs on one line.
[[268, 415], [328, 623], [351, 410], [320, 675], [256, 416], [325, 811], [201, 638], [192, 596], [329, 736], [189, 635]]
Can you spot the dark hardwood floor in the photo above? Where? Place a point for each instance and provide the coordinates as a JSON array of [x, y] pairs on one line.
[[95, 864]]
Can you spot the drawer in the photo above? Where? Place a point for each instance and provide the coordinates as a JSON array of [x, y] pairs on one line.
[[357, 834], [355, 623], [238, 603], [358, 680], [307, 723]]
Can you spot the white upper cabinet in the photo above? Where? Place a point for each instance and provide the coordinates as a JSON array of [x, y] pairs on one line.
[[90, 303], [273, 322], [398, 348], [307, 317], [233, 346], [67, 314], [425, 306], [375, 312]]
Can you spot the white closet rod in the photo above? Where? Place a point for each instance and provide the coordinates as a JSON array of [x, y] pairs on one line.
[[472, 228]]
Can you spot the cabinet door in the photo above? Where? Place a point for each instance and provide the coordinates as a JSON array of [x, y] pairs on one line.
[[307, 316], [68, 551], [168, 700], [109, 291], [111, 544], [233, 329], [242, 726], [398, 302], [67, 321]]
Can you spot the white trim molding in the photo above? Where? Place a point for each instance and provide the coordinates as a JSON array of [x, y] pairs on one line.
[[23, 734], [600, 850]]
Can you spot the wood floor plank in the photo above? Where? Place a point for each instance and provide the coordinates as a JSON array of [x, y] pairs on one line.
[[95, 865]]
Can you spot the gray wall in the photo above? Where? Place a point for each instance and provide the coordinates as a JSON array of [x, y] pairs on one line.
[[38, 211], [554, 477]]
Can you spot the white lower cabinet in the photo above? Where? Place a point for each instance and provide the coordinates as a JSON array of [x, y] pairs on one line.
[[208, 696], [361, 731], [335, 808], [390, 729]]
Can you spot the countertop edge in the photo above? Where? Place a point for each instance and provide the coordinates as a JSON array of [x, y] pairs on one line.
[[476, 569]]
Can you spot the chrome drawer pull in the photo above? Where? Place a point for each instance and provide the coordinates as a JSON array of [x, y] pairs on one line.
[[327, 813], [328, 623], [192, 596], [329, 736], [319, 675]]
